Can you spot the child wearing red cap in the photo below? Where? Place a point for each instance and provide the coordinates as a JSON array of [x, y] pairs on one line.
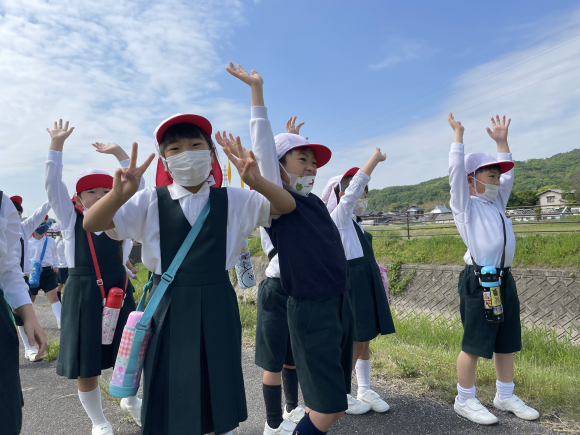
[[193, 380], [13, 296], [81, 355], [372, 315], [480, 189], [312, 266], [22, 250]]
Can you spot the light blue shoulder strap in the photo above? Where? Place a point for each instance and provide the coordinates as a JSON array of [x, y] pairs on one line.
[[168, 276], [43, 249]]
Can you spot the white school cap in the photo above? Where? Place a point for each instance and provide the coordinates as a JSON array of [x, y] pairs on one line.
[[91, 178], [288, 141], [56, 227], [328, 195], [475, 161]]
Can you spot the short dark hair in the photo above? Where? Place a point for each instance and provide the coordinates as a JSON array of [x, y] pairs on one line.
[[185, 130], [18, 207], [283, 158], [497, 167], [343, 185]]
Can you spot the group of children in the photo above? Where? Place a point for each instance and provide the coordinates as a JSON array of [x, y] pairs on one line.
[[321, 303]]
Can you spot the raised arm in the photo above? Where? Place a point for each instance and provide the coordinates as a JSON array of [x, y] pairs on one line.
[[58, 196], [460, 201], [122, 157], [32, 223], [499, 134]]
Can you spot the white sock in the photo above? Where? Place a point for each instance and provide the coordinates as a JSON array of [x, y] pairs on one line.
[[56, 308], [465, 393], [24, 337], [363, 375], [504, 391], [93, 405], [132, 400]]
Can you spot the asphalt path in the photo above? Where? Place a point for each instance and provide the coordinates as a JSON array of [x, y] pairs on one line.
[[52, 406]]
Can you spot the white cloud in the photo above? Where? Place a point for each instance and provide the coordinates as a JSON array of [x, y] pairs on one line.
[[114, 69], [402, 50], [544, 106]]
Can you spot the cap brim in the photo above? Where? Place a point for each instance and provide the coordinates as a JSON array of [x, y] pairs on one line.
[[351, 172], [200, 121], [504, 166]]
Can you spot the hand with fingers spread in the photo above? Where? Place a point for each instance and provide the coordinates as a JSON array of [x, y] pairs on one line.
[[226, 142], [500, 133], [58, 135], [126, 180], [457, 127], [292, 128], [112, 149], [245, 163], [254, 80]]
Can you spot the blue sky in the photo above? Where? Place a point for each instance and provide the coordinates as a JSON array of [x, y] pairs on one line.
[[361, 74]]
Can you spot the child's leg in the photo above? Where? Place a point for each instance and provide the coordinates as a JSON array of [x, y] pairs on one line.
[[290, 383], [504, 369], [363, 369], [90, 397], [32, 298], [320, 421], [357, 350], [272, 391], [52, 297], [466, 367], [58, 291]]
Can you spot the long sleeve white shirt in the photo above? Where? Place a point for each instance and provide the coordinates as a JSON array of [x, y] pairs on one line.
[[11, 279], [480, 221], [50, 255], [60, 251], [27, 227], [138, 219], [264, 148], [60, 200], [343, 215]]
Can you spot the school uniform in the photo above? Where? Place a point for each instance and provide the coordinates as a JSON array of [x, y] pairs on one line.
[[48, 279], [62, 273], [80, 339], [13, 294], [193, 379], [314, 274], [27, 227], [479, 223], [372, 315]]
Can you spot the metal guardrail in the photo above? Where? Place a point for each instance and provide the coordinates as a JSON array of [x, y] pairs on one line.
[[554, 217]]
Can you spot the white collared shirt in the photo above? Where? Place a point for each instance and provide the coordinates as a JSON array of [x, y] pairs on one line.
[[27, 227], [343, 215], [50, 255], [62, 206], [138, 219], [11, 279], [478, 220], [60, 251]]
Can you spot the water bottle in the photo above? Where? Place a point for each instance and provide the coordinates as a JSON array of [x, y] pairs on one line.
[[244, 269], [34, 279], [111, 314], [491, 294]]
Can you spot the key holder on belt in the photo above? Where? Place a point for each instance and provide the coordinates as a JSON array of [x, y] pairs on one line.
[[98, 272], [477, 268]]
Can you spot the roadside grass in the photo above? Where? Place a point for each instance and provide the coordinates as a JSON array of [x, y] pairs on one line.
[[52, 349]]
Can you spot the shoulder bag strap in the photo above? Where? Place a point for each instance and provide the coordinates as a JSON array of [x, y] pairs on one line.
[[502, 263], [97, 270], [169, 275], [43, 249], [22, 254]]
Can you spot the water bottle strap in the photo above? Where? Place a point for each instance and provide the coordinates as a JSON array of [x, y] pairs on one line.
[[97, 269], [477, 269]]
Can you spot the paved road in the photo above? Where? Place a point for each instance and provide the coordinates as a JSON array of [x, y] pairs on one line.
[[52, 406]]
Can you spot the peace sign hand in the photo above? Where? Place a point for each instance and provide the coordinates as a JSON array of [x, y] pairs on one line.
[[126, 180]]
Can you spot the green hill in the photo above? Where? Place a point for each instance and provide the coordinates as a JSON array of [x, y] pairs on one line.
[[530, 175]]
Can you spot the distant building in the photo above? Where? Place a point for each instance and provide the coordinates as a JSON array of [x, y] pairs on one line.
[[415, 210], [444, 218], [440, 209], [553, 196]]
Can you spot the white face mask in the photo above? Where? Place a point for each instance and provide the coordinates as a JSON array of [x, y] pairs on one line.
[[300, 185], [491, 191], [190, 168], [360, 207]]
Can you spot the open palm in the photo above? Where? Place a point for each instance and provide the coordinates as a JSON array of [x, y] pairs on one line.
[[253, 79], [500, 129], [60, 133]]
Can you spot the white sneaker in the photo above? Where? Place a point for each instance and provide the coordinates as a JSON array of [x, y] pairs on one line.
[[286, 428], [103, 429], [517, 406], [30, 354], [473, 410], [356, 406], [373, 399], [295, 415], [135, 410]]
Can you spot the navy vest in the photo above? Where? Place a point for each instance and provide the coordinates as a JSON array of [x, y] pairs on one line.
[[310, 252]]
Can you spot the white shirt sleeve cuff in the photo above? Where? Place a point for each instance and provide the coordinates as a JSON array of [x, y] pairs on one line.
[[504, 157], [259, 112], [17, 299], [361, 178], [457, 147], [54, 157], [120, 228], [264, 218], [125, 163]]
